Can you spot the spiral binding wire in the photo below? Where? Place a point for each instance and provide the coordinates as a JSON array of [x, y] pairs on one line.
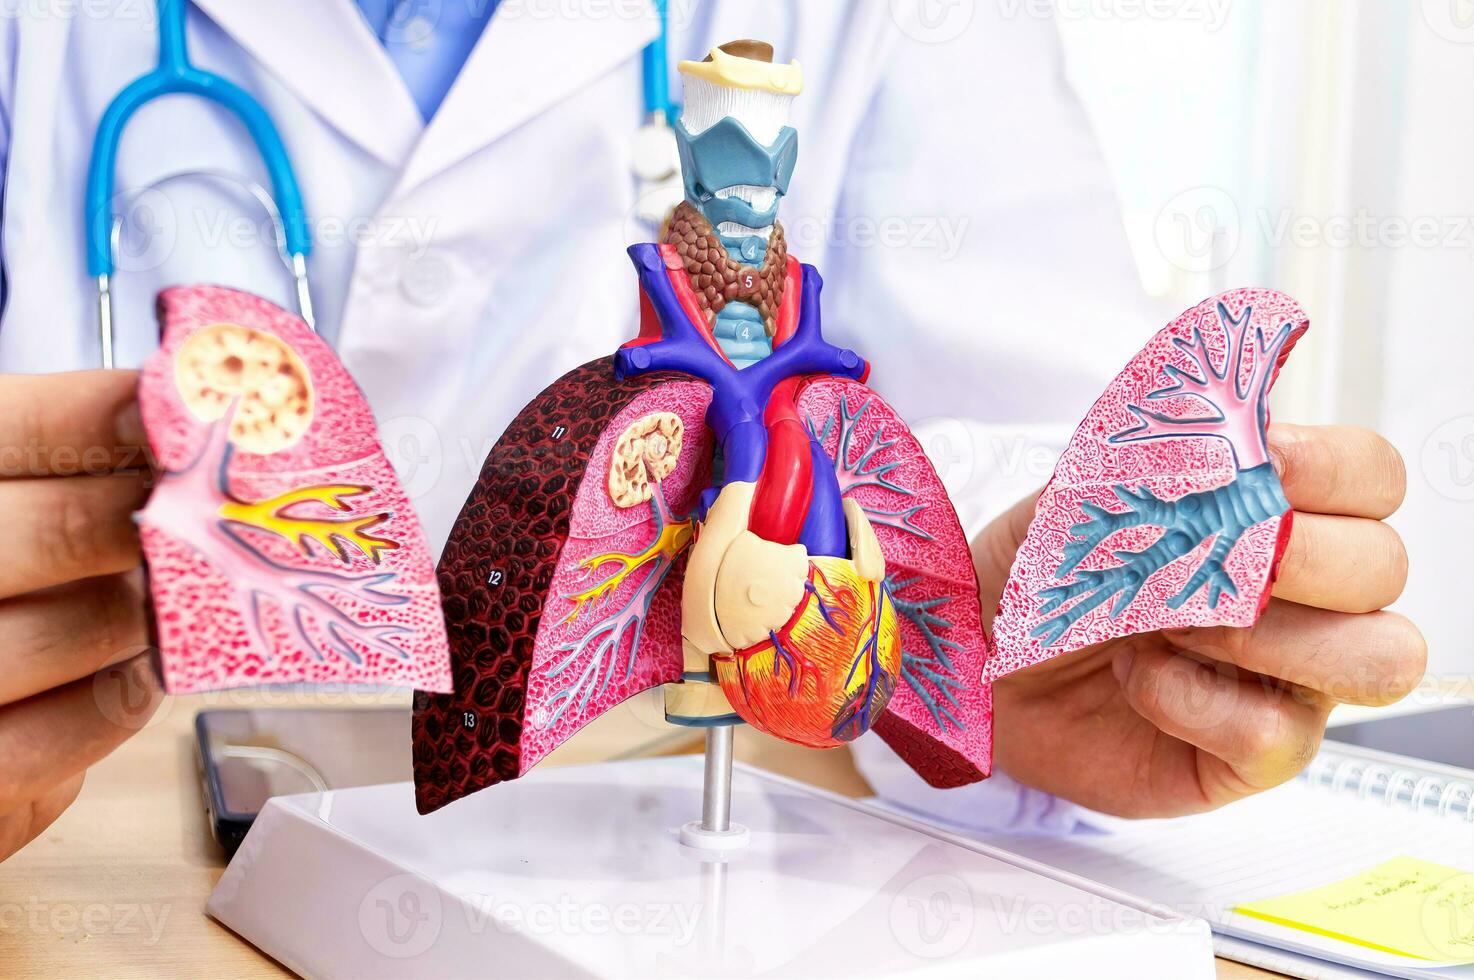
[[1372, 780]]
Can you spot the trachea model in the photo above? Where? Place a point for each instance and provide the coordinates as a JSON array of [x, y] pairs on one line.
[[724, 507]]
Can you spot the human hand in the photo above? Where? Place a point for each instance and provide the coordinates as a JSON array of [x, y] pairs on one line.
[[1180, 721], [77, 679]]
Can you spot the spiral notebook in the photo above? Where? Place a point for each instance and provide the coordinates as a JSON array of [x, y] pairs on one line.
[[1297, 879]]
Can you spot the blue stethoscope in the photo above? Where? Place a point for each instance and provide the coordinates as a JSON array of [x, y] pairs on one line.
[[175, 75]]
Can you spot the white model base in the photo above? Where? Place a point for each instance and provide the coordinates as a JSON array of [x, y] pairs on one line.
[[734, 838], [581, 872]]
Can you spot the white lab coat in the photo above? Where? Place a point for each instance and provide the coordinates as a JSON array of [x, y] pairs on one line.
[[948, 188]]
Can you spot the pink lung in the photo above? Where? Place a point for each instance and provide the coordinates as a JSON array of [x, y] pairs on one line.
[[589, 657], [301, 560], [940, 720], [560, 600], [1164, 510]]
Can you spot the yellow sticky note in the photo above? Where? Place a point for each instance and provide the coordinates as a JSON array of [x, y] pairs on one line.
[[1404, 906]]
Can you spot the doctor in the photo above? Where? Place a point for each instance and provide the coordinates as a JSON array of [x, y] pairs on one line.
[[467, 172]]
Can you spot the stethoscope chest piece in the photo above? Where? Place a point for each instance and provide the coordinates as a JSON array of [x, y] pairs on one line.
[[654, 157], [656, 161]]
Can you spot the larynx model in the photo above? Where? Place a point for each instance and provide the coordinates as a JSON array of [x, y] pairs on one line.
[[724, 507]]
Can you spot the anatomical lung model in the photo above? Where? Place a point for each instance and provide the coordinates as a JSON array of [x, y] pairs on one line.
[[279, 544], [1164, 510], [724, 507]]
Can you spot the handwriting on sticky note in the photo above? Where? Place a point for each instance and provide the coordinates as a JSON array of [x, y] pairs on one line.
[[1404, 906]]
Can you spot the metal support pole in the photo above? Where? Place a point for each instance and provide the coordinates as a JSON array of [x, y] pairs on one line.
[[715, 831], [716, 786]]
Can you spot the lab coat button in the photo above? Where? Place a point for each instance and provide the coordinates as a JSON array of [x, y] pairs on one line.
[[425, 279]]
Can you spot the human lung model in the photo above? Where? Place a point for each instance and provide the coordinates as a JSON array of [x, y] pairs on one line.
[[725, 508], [1164, 510], [279, 545]]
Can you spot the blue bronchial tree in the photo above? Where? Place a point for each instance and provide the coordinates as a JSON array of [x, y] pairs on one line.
[[1221, 398]]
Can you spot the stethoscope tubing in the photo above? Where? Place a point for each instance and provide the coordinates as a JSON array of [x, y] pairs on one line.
[[175, 75], [655, 74]]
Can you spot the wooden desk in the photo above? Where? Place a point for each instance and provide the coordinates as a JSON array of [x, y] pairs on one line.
[[117, 886]]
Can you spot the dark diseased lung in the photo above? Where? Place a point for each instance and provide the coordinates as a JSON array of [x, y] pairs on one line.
[[494, 577]]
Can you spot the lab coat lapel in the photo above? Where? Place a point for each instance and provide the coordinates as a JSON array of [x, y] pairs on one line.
[[532, 55], [324, 52]]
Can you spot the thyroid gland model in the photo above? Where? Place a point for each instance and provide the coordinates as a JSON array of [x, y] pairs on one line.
[[279, 545], [724, 507]]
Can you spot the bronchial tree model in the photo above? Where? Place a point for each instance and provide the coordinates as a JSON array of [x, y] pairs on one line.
[[724, 506]]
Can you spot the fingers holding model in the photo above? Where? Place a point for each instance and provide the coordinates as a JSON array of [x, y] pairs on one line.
[[78, 681], [1187, 719]]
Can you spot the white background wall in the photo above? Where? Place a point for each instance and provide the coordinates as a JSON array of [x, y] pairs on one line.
[[1322, 147]]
